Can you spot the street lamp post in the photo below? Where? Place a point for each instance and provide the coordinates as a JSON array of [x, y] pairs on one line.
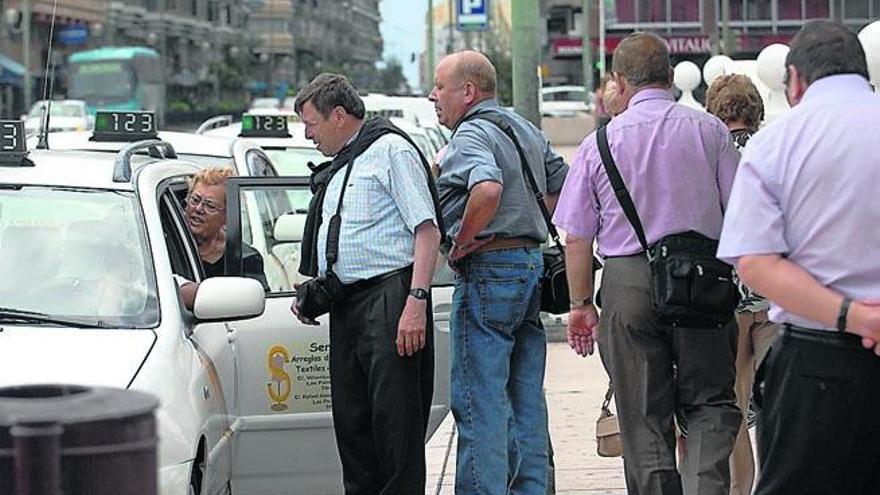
[[23, 19], [26, 52]]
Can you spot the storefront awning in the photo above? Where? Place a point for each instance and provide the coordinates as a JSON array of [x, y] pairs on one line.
[[11, 72]]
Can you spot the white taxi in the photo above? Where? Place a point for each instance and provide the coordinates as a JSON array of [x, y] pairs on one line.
[[90, 243]]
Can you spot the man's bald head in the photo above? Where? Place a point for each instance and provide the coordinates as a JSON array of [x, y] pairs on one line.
[[461, 81], [643, 59], [473, 67]]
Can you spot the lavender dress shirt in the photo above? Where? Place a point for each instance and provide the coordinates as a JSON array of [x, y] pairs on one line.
[[678, 164], [808, 188]]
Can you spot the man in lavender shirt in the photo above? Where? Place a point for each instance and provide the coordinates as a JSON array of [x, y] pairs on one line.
[[808, 183], [678, 165]]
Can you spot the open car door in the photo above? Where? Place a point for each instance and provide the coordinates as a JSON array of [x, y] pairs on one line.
[[284, 439]]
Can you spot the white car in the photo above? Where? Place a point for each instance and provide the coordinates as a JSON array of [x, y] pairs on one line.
[[565, 101], [90, 244], [65, 115]]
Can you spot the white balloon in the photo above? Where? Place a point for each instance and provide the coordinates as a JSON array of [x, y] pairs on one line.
[[719, 65], [870, 38], [771, 65], [687, 76]]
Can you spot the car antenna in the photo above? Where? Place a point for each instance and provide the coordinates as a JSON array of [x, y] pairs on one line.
[[48, 86]]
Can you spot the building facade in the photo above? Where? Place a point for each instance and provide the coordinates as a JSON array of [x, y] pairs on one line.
[[691, 27], [336, 35], [495, 42]]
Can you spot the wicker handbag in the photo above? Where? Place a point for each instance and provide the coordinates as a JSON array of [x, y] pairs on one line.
[[608, 442]]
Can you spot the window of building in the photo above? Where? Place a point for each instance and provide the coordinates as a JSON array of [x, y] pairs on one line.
[[151, 5], [625, 11], [736, 10], [651, 11], [818, 9], [194, 8], [759, 10], [171, 4], [557, 22], [685, 10], [789, 9], [856, 9]]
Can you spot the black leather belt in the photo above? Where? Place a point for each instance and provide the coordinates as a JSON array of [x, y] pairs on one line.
[[369, 283], [830, 337]]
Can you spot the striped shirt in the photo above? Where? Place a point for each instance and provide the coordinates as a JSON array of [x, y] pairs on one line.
[[386, 199]]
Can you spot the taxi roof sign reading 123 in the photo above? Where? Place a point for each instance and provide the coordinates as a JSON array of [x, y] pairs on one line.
[[13, 148], [264, 126], [124, 126], [473, 15]]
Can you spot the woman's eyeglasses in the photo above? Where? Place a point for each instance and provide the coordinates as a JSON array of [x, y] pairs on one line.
[[195, 200]]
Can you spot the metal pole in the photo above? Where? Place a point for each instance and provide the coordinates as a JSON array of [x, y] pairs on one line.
[[587, 51], [451, 26], [26, 52], [727, 44], [429, 69], [526, 59], [602, 54], [710, 25]]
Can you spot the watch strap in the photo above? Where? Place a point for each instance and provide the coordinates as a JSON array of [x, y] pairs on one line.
[[841, 316]]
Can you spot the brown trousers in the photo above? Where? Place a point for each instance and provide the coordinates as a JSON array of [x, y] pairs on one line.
[[639, 353]]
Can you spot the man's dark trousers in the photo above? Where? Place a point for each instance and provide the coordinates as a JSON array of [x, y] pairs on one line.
[[818, 428], [381, 401], [639, 352]]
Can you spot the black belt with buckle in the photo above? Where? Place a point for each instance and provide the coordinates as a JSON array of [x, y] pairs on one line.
[[830, 337], [369, 283]]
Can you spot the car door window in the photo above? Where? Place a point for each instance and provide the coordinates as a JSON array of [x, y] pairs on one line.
[[281, 207], [178, 240]]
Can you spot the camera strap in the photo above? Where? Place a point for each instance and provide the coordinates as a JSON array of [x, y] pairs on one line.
[[335, 225]]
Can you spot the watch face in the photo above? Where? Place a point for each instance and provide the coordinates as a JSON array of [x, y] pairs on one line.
[[419, 293]]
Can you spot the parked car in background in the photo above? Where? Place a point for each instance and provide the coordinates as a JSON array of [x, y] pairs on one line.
[[565, 101], [265, 104], [66, 115]]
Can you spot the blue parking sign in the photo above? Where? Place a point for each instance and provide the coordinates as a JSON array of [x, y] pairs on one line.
[[473, 15]]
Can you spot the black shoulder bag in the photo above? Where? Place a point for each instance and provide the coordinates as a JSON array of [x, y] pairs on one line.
[[554, 286], [316, 295], [690, 286]]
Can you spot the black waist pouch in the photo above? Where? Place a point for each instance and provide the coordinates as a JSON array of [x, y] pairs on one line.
[[316, 296], [690, 287]]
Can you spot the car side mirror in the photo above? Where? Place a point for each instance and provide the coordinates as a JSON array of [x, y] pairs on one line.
[[229, 298]]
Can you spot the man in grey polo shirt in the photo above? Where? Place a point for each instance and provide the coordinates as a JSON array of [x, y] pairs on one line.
[[808, 183], [493, 220]]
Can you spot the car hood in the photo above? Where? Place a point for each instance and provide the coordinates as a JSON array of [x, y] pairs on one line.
[[99, 357]]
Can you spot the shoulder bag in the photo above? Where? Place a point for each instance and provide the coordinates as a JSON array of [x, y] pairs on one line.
[[554, 285], [690, 286]]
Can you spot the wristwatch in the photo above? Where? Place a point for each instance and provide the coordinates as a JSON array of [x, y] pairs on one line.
[[841, 316], [580, 303], [419, 293]]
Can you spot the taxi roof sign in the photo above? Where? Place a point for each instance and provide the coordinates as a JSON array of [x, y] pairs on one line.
[[13, 147], [253, 125], [124, 126]]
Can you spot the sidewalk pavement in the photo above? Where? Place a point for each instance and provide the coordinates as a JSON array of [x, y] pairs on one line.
[[575, 388]]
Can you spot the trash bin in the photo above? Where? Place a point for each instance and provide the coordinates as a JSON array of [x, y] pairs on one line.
[[75, 440]]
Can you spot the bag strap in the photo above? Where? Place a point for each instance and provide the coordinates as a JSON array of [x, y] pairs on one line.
[[335, 225], [608, 396], [527, 171], [626, 202]]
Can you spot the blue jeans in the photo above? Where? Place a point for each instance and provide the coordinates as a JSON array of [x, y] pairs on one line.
[[498, 353]]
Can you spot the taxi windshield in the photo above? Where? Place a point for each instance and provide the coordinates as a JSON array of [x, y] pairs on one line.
[[76, 254], [293, 162]]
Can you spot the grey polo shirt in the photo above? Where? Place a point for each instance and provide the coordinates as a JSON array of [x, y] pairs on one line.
[[480, 151]]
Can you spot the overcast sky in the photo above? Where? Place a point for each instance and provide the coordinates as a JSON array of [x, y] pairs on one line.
[[403, 31]]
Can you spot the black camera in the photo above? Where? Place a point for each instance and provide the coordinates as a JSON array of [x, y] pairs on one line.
[[315, 296]]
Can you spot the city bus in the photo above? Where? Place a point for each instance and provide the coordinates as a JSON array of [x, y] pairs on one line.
[[118, 78]]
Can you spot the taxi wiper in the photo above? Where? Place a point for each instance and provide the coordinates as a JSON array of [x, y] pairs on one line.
[[21, 315]]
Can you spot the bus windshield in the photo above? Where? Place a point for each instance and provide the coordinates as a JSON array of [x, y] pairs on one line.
[[100, 83]]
